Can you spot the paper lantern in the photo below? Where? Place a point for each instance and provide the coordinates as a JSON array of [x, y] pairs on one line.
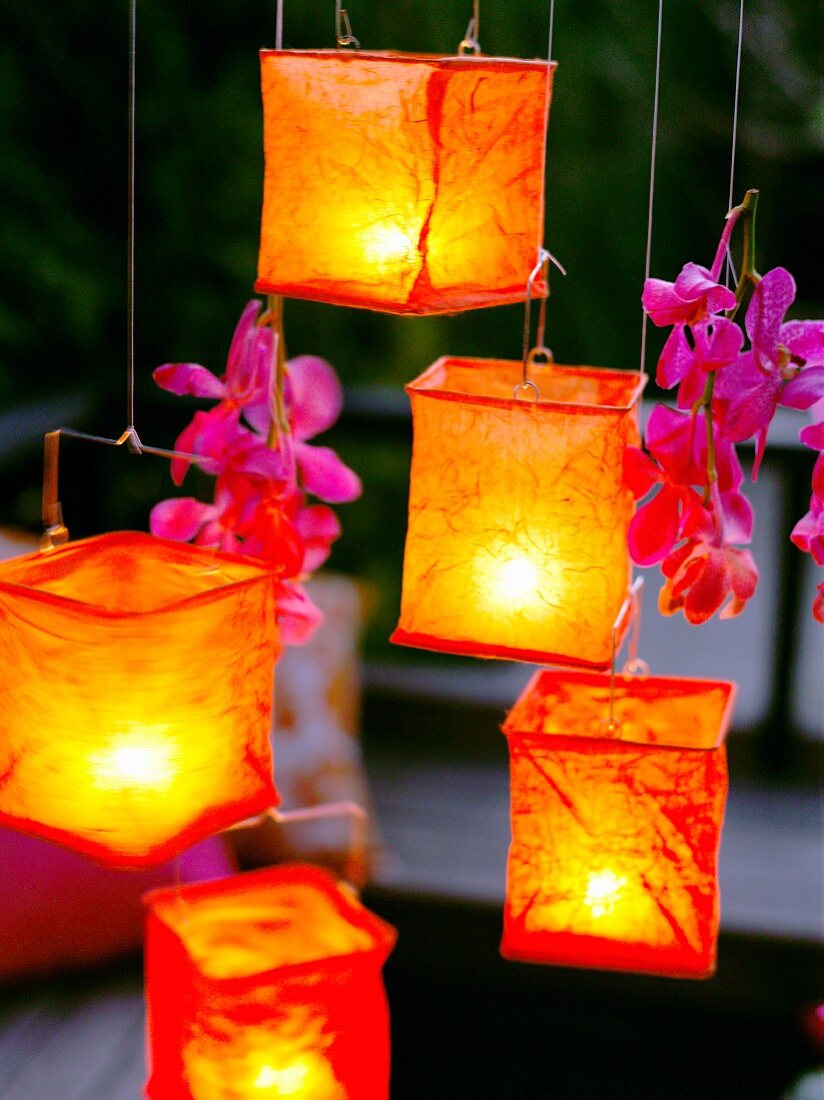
[[412, 184], [267, 984], [136, 683], [518, 516], [616, 827]]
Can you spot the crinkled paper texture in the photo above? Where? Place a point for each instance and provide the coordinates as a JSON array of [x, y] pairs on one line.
[[136, 695], [267, 983], [613, 861], [405, 183], [518, 513]]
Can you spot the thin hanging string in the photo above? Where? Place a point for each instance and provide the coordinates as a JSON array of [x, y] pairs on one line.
[[131, 219], [279, 26], [551, 27], [653, 152], [729, 269]]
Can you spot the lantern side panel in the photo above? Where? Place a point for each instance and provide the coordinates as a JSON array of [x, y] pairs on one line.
[[128, 738], [487, 216], [348, 179], [316, 1026], [613, 861], [518, 516]]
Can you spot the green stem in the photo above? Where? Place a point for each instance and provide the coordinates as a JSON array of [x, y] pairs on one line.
[[279, 424], [748, 277]]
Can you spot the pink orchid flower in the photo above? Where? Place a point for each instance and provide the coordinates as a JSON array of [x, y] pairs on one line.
[[716, 343], [703, 577], [818, 603], [785, 365], [224, 444], [694, 295]]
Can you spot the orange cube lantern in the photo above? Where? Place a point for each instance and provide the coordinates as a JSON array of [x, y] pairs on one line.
[[266, 984], [518, 516], [616, 825], [136, 679], [412, 184]]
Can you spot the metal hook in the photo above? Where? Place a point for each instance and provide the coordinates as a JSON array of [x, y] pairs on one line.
[[630, 609], [343, 28], [471, 42]]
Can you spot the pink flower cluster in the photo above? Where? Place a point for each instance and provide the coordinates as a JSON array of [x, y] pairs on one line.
[[698, 524], [259, 505]]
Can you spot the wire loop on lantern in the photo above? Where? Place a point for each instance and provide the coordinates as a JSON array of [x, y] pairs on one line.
[[55, 531], [471, 42], [355, 869], [629, 615], [343, 28], [540, 350]]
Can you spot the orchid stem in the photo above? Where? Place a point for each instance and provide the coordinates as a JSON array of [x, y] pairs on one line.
[[748, 277], [279, 424]]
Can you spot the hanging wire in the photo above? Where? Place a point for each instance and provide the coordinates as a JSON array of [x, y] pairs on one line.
[[130, 265], [730, 270], [343, 28], [471, 40], [279, 26], [651, 201], [551, 28]]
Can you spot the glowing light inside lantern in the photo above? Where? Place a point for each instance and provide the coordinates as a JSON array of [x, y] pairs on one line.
[[603, 892], [137, 758], [307, 1076], [388, 244], [514, 581]]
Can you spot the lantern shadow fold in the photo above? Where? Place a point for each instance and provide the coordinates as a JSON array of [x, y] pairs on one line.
[[268, 983], [613, 860], [517, 540], [137, 693], [399, 182]]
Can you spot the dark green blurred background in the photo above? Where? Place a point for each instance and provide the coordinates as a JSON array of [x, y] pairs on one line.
[[63, 145]]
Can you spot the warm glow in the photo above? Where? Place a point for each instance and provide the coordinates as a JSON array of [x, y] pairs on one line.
[[137, 695], [402, 183], [514, 582], [518, 516], [266, 984], [613, 861], [142, 759], [386, 245], [603, 892]]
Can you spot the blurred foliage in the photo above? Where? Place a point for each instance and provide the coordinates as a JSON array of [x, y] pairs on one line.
[[63, 137]]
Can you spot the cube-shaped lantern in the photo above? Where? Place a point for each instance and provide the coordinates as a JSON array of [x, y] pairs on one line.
[[616, 824], [412, 184], [518, 515], [136, 685], [266, 984]]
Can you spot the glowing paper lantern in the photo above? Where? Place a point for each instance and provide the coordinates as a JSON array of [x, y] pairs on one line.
[[266, 984], [615, 828], [518, 516], [406, 183], [136, 682]]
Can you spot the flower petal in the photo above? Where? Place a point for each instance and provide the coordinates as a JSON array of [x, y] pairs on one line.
[[654, 528], [696, 284], [675, 360], [738, 517], [709, 590], [318, 527], [813, 436], [297, 617], [240, 337], [315, 396], [804, 390], [190, 379], [324, 475], [180, 518], [640, 472], [771, 299], [805, 339]]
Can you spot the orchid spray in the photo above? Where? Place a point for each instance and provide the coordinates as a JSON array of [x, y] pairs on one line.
[[254, 441], [730, 382]]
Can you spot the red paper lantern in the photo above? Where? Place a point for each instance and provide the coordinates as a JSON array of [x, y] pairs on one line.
[[616, 826], [518, 515], [137, 687], [412, 184], [266, 984]]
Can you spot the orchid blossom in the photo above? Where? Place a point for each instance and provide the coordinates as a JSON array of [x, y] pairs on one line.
[[259, 505], [698, 523]]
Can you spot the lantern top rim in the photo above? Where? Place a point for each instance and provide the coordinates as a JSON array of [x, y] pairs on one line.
[[492, 382], [453, 61], [545, 713], [65, 577], [176, 908]]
